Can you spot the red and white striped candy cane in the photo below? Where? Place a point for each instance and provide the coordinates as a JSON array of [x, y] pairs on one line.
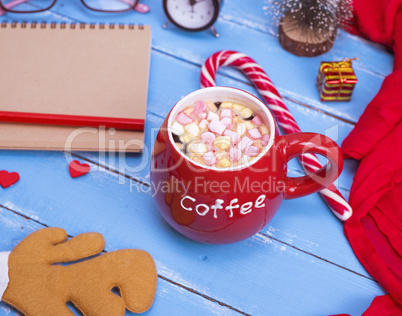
[[284, 118]]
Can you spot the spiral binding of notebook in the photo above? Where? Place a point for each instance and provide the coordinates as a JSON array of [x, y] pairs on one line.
[[73, 74], [73, 25]]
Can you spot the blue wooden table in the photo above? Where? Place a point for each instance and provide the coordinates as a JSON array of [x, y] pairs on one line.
[[299, 264]]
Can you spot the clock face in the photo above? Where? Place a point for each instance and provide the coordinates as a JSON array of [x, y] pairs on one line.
[[192, 15]]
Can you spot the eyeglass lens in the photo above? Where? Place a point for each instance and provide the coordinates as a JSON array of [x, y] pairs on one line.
[[22, 6], [26, 6], [110, 5]]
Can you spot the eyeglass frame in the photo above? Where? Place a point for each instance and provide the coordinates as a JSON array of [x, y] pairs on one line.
[[17, 2]]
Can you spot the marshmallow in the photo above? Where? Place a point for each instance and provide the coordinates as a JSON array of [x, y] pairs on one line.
[[249, 125], [177, 128], [264, 130], [211, 106], [212, 116], [216, 126], [226, 113], [188, 110], [246, 113], [198, 148], [208, 137], [186, 138], [256, 120], [183, 119], [258, 143], [203, 124], [235, 154], [220, 154], [233, 135], [238, 107], [227, 121], [245, 159], [192, 129], [265, 140], [237, 119], [202, 115], [241, 129], [226, 105], [209, 158], [197, 159], [254, 133], [252, 151], [224, 162], [244, 143], [222, 142], [200, 106]]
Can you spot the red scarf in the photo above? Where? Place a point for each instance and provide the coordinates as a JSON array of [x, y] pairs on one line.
[[375, 229]]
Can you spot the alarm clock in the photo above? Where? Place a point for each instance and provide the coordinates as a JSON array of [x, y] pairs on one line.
[[192, 15]]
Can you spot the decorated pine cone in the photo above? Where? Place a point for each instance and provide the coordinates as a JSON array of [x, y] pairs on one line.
[[309, 27]]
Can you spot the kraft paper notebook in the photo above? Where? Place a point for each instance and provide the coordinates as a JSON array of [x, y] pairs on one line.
[[85, 70]]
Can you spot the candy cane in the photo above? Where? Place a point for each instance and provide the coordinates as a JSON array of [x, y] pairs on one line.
[[284, 118]]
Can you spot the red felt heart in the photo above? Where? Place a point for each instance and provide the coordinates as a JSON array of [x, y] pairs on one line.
[[7, 179], [78, 169]]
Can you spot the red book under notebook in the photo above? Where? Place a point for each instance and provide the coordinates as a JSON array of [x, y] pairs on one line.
[[73, 86]]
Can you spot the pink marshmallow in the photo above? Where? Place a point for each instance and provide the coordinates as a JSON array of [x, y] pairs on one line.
[[252, 151], [254, 133], [216, 127], [208, 137], [234, 154], [226, 113], [183, 119], [202, 115], [200, 106], [256, 120], [232, 135], [265, 140], [227, 121], [244, 143], [209, 158]]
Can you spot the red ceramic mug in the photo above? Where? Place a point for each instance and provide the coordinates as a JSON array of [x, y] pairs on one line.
[[225, 205]]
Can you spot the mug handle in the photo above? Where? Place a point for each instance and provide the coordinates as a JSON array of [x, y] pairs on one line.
[[293, 145]]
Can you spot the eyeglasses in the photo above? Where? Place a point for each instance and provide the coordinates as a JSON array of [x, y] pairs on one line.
[[33, 6]]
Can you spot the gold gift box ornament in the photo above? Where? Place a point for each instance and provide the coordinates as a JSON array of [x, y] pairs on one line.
[[336, 80]]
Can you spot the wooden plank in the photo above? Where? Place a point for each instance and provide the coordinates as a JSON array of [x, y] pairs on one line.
[[288, 279], [259, 17], [15, 227], [294, 76]]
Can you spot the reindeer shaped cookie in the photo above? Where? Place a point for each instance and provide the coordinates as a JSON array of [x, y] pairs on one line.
[[40, 286]]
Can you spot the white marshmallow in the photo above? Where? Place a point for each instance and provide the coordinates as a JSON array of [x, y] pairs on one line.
[[212, 116], [203, 124], [198, 148], [192, 129], [245, 159], [177, 128], [241, 129]]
